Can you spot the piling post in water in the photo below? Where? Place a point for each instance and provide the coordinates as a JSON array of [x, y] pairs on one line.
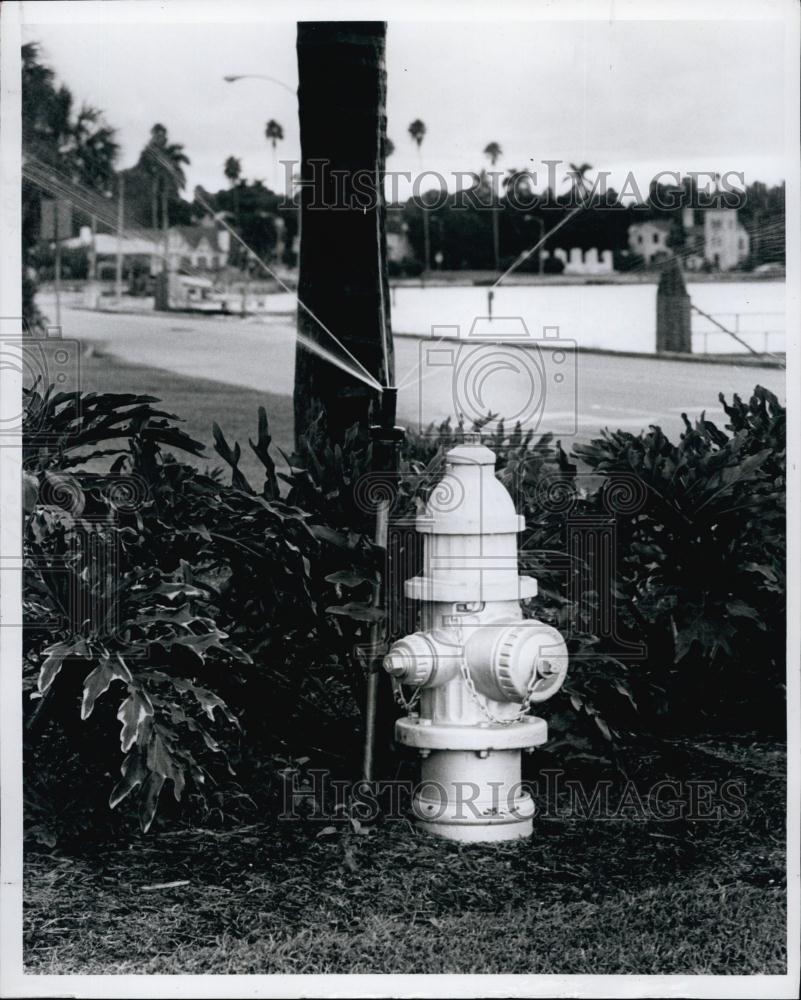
[[673, 329]]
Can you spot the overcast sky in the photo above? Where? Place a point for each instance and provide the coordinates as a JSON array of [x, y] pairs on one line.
[[623, 96]]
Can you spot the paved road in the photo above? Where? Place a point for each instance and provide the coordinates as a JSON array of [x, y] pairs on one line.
[[549, 388]]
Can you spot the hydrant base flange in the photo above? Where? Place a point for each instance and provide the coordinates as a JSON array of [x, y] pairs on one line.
[[489, 832], [530, 731], [473, 797]]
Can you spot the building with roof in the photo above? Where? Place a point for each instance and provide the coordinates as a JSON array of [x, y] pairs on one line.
[[189, 249], [649, 239], [203, 247], [715, 237]]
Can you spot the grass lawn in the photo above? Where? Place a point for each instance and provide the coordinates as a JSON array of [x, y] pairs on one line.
[[625, 895], [200, 402]]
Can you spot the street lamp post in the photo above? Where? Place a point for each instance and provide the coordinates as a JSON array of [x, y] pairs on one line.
[[233, 77], [540, 231], [120, 228]]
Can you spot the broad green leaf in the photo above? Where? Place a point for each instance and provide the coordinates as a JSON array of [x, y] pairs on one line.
[[149, 800], [359, 612], [161, 761], [198, 644], [132, 713], [54, 660], [742, 610], [134, 773], [624, 689], [347, 578], [96, 683], [763, 570], [330, 535], [207, 701], [599, 722], [172, 588]]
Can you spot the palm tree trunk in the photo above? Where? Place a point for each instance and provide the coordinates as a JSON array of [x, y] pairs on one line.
[[343, 273], [426, 220], [165, 228]]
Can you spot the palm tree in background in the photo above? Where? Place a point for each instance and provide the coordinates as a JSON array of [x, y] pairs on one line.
[[164, 161], [521, 198], [577, 175], [233, 171], [493, 152], [93, 148], [274, 133], [518, 183], [417, 130], [80, 144], [80, 147]]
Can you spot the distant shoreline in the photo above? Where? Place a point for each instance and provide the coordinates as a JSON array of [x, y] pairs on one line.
[[479, 279], [488, 278]]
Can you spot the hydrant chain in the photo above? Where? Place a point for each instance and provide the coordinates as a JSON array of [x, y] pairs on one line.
[[400, 698], [464, 670]]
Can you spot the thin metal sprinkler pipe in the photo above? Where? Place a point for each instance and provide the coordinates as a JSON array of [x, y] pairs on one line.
[[387, 440]]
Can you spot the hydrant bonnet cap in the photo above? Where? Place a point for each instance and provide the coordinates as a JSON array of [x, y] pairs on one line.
[[470, 499], [470, 454]]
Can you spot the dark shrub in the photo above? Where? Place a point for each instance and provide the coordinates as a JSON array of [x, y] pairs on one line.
[[700, 570], [177, 625]]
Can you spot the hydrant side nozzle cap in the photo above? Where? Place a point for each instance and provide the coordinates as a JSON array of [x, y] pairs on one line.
[[530, 646], [411, 660], [395, 663]]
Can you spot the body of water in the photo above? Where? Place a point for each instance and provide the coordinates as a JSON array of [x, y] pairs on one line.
[[609, 317], [605, 316]]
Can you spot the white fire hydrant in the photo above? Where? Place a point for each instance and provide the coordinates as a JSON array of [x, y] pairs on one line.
[[477, 664]]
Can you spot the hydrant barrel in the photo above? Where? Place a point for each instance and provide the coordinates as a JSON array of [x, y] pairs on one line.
[[478, 663]]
